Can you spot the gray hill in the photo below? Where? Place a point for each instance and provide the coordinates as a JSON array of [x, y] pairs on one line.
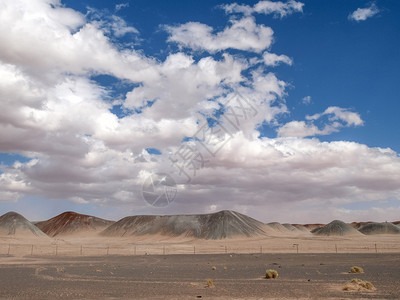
[[380, 228], [69, 223], [223, 224], [290, 227], [336, 228], [13, 223], [302, 228]]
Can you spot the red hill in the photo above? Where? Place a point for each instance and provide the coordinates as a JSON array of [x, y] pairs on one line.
[[72, 223]]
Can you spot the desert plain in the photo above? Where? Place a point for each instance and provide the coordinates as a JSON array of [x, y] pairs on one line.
[[222, 256]]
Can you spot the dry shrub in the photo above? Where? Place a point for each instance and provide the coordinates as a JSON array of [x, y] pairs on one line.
[[209, 283], [214, 268], [358, 285], [271, 274], [356, 269]]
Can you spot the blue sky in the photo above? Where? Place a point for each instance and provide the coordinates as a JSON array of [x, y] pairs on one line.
[[88, 86]]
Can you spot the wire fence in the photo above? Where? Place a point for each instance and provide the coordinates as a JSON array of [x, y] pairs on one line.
[[14, 249]]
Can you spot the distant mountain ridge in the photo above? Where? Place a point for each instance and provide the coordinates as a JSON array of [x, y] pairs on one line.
[[219, 225]]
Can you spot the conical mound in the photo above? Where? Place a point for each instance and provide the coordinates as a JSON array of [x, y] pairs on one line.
[[223, 224], [13, 223], [380, 228], [336, 228], [72, 223]]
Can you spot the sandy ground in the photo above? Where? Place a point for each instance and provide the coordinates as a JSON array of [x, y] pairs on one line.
[[236, 276], [160, 267]]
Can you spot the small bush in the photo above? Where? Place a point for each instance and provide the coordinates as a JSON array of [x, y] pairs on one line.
[[271, 274], [214, 268], [358, 285], [356, 269], [209, 283]]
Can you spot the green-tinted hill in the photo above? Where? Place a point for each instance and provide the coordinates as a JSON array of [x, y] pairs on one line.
[[15, 224], [336, 228], [380, 228]]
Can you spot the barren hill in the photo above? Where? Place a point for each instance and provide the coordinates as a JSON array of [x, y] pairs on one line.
[[312, 227], [13, 223], [223, 224], [380, 228], [69, 223], [336, 228]]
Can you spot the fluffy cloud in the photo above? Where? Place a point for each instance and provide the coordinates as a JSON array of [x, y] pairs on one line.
[[271, 59], [51, 39], [185, 86], [287, 173], [322, 174], [335, 113], [302, 129], [242, 34], [361, 14], [337, 118], [278, 8]]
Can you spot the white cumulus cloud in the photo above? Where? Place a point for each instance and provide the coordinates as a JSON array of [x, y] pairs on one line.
[[243, 34], [361, 14], [277, 8], [272, 59], [337, 118]]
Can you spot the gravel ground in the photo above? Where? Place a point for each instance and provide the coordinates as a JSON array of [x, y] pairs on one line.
[[301, 276]]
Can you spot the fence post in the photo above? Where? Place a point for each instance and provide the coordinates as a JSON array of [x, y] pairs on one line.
[[9, 246], [56, 249], [261, 250], [81, 250], [376, 249], [164, 250], [194, 249], [297, 248], [108, 249], [226, 249], [32, 250], [134, 250], [336, 248]]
